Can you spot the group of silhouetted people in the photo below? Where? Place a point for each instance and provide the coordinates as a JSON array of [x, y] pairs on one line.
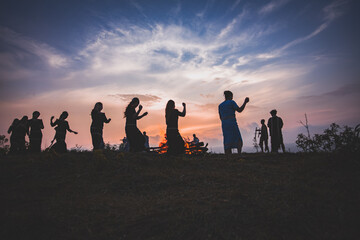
[[135, 140], [275, 125], [231, 132]]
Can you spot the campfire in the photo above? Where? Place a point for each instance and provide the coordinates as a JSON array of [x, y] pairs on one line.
[[190, 148]]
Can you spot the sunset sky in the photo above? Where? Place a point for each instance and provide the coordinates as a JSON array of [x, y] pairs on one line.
[[297, 56]]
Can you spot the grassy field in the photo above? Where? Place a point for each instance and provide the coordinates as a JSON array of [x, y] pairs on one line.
[[110, 195]]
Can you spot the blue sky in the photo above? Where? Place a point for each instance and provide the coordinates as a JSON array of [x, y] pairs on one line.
[[296, 56]]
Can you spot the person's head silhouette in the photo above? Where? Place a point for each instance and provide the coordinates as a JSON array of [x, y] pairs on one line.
[[262, 121], [64, 115], [273, 112], [35, 115], [98, 106], [228, 95]]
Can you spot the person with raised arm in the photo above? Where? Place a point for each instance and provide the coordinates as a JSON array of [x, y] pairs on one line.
[[134, 136], [35, 136], [97, 125], [174, 140], [62, 126], [230, 129]]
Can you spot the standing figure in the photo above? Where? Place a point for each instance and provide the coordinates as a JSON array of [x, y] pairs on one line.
[[133, 134], [21, 130], [61, 127], [14, 146], [230, 129], [97, 125], [35, 136], [275, 125], [174, 139], [147, 145], [264, 137]]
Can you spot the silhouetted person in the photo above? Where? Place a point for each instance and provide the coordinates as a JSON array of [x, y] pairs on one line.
[[174, 140], [275, 125], [264, 137], [195, 140], [21, 130], [230, 129], [14, 145], [147, 145], [35, 136], [61, 127], [133, 134], [97, 125]]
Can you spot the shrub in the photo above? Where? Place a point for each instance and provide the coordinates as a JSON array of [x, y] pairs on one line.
[[333, 139], [4, 147]]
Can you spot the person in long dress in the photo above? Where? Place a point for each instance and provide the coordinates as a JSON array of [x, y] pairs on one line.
[[62, 126], [97, 125], [264, 137], [230, 129], [133, 134], [275, 125], [35, 136], [21, 130], [14, 145], [174, 140]]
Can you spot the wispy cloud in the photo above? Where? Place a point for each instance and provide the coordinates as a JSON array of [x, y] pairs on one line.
[[272, 6], [42, 50], [143, 97]]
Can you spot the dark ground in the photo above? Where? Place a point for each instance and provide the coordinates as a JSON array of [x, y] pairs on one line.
[[115, 196]]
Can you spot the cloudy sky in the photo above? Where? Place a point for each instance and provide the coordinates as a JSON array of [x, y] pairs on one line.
[[298, 56]]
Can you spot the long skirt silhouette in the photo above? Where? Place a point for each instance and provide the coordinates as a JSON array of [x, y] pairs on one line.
[[35, 142], [231, 133], [135, 138], [175, 142], [97, 138], [60, 145]]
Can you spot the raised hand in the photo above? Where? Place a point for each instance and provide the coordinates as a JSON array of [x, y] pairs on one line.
[[184, 104], [145, 113], [247, 99], [109, 120], [52, 117], [140, 107]]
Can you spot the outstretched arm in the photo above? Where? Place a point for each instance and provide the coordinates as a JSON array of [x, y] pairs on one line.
[[106, 120], [143, 115], [10, 129], [240, 109], [51, 121], [68, 128], [138, 112], [183, 113]]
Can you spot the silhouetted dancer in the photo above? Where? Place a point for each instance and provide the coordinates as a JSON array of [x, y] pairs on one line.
[[97, 125], [147, 145], [275, 125], [264, 137], [35, 136], [174, 140], [61, 127], [230, 129], [21, 130], [133, 134], [14, 145]]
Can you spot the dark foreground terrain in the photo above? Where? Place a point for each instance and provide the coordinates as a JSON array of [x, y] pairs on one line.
[[110, 195]]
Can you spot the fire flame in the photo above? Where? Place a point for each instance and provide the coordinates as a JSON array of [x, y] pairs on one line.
[[190, 148]]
